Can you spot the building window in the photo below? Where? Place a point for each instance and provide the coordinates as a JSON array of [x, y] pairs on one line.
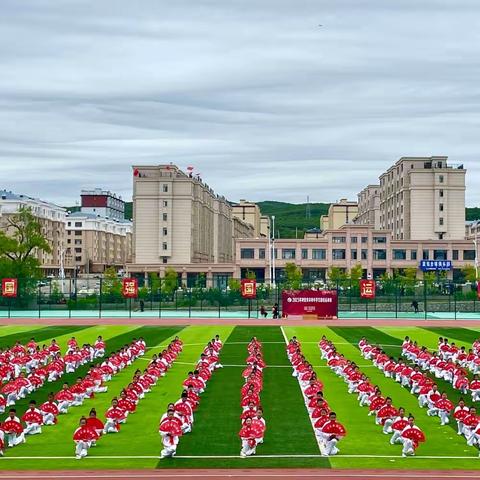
[[165, 231], [78, 250], [440, 178], [165, 217], [338, 254], [339, 239], [469, 254], [353, 254], [164, 260], [288, 253], [304, 254], [440, 254], [454, 254], [413, 255], [379, 239], [78, 233], [165, 188], [69, 241], [247, 253], [379, 254], [164, 246], [364, 254], [78, 241], [399, 254], [353, 239], [440, 220], [426, 255], [78, 259], [165, 203], [78, 224], [261, 253], [440, 193], [69, 224], [440, 207], [364, 239], [319, 254]]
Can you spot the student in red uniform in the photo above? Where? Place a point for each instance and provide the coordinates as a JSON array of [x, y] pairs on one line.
[[84, 436], [33, 419], [170, 431], [332, 432], [250, 435], [49, 410]]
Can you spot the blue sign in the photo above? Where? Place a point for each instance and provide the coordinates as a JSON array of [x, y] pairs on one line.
[[435, 265]]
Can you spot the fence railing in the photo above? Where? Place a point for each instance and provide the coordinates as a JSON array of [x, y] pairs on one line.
[[99, 297]]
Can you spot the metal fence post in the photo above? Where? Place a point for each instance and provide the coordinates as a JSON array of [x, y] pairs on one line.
[[100, 299], [160, 299], [425, 295], [39, 293], [190, 303]]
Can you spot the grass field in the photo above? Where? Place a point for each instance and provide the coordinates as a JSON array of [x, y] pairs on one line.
[[214, 442]]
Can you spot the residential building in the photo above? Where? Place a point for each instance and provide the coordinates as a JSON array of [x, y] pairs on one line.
[[96, 243], [180, 222], [249, 212], [369, 206], [423, 198], [339, 213], [103, 203], [52, 220]]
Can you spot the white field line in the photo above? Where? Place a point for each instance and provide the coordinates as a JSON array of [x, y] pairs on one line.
[[278, 343], [304, 398], [151, 457]]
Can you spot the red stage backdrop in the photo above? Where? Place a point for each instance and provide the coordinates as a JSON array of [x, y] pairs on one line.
[[323, 303]]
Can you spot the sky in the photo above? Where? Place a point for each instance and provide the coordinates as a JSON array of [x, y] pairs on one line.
[[263, 101]]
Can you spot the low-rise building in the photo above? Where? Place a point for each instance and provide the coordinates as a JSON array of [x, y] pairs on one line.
[[340, 213], [95, 243], [52, 220]]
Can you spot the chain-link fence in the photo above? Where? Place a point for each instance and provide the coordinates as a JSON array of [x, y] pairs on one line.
[[97, 297]]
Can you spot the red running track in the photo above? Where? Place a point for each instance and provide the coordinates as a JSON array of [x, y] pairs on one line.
[[343, 322], [244, 474]]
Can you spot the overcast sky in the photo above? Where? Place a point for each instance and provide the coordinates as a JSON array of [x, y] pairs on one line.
[[253, 93]]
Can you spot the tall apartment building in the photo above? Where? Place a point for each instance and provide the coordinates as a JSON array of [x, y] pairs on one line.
[[52, 220], [103, 203], [423, 198], [339, 213], [179, 221], [369, 206], [95, 243]]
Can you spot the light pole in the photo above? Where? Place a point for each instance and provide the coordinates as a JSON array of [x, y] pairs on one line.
[[475, 242], [273, 250], [270, 254]]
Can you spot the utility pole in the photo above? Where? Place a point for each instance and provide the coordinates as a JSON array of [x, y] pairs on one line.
[[273, 250]]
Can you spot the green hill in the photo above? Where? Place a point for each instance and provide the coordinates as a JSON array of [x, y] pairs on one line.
[[291, 218]]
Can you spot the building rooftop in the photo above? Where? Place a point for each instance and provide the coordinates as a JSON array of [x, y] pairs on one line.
[[9, 195]]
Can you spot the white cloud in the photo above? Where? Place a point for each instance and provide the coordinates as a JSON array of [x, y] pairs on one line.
[[262, 101]]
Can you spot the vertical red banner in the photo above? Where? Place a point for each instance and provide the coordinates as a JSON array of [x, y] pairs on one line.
[[9, 287], [130, 288], [367, 289], [478, 290], [249, 288]]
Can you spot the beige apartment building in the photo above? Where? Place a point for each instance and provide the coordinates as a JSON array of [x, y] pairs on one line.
[[249, 212], [52, 220], [95, 243], [340, 213], [180, 222], [369, 206], [423, 198]]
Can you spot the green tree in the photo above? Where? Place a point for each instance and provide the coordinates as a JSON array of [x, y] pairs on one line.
[[250, 275], [170, 281], [293, 276], [20, 240], [336, 275], [356, 273], [234, 285], [469, 273], [111, 284]]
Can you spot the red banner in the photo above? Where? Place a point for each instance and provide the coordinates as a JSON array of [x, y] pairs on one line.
[[323, 303], [478, 290], [9, 287], [130, 288], [249, 288], [367, 289]]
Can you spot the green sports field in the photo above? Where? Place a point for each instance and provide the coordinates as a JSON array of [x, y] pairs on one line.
[[214, 442]]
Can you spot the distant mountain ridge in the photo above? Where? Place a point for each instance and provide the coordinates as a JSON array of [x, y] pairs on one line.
[[291, 218]]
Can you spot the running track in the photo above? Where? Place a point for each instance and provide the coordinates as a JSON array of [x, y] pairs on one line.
[[343, 322], [284, 474]]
